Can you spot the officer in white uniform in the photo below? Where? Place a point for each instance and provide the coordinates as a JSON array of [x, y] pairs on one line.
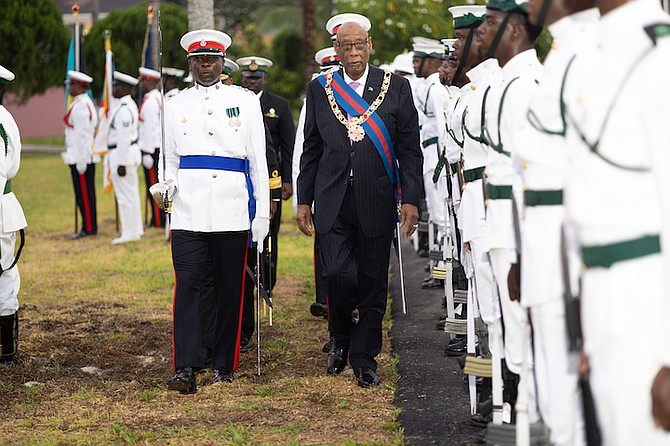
[[218, 180], [11, 220], [541, 160], [124, 157], [428, 56], [617, 196], [172, 79], [80, 123], [149, 139]]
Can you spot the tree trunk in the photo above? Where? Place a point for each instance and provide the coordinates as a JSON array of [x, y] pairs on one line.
[[200, 14], [308, 39]]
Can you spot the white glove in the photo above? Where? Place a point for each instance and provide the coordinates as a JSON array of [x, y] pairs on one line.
[[147, 161], [81, 167], [160, 190], [260, 227]]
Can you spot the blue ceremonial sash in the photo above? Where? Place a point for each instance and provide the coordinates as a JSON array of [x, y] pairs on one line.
[[223, 163], [374, 127]]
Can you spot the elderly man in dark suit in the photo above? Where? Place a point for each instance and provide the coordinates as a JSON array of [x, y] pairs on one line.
[[361, 167]]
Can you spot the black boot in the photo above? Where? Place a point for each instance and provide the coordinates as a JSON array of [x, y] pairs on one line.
[[9, 338]]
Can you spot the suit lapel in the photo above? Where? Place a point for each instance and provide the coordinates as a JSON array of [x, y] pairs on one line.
[[373, 84]]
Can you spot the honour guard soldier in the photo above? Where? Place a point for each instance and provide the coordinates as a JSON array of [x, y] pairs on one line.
[[172, 79], [507, 36], [617, 197], [229, 68], [11, 220], [279, 120], [124, 157], [80, 122], [428, 55], [150, 136], [348, 171], [216, 181], [542, 158]]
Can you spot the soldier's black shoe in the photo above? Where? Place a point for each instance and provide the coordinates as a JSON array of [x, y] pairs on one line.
[[366, 377], [245, 345], [328, 346], [80, 234], [7, 362], [222, 376], [337, 360], [432, 283], [484, 414], [318, 309], [183, 381]]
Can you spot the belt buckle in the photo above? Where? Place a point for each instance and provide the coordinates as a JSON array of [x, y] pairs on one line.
[[350, 181]]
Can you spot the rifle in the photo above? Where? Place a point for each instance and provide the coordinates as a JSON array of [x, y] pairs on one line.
[[574, 329]]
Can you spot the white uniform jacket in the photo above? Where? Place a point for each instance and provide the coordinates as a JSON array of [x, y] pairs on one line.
[[506, 113], [471, 214], [150, 122], [433, 131], [80, 121], [122, 136], [11, 214], [218, 121]]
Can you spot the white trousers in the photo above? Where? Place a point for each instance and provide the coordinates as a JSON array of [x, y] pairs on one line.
[[10, 281], [625, 314], [556, 375], [436, 196], [128, 198]]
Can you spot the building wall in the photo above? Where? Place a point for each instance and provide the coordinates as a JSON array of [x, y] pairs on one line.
[[41, 116]]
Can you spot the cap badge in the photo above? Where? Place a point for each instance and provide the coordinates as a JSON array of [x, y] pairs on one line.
[[203, 43], [253, 66]]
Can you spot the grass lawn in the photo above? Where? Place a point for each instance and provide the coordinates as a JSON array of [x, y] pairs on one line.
[[95, 345]]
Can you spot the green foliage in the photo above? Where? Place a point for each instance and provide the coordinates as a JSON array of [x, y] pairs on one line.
[[395, 22], [34, 45], [128, 27]]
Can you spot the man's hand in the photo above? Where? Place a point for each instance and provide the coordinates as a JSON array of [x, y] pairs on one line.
[[273, 208], [81, 167], [660, 399], [304, 219], [514, 282], [121, 170], [286, 190], [409, 219]]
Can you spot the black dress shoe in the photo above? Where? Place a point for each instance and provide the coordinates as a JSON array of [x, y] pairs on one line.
[[366, 377], [222, 376], [337, 360], [319, 310], [183, 381], [432, 283], [245, 345], [80, 234], [328, 346]]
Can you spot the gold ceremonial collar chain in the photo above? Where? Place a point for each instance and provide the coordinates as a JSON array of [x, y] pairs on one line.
[[354, 129]]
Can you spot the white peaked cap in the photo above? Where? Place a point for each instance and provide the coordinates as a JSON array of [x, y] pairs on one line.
[[231, 65], [149, 73], [326, 56], [206, 42], [173, 72], [5, 74], [403, 63], [338, 20], [80, 77], [424, 47], [125, 78]]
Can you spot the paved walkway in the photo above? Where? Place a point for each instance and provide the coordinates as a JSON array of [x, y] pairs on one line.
[[432, 391]]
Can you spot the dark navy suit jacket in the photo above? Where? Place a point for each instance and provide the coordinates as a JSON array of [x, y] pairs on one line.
[[329, 157]]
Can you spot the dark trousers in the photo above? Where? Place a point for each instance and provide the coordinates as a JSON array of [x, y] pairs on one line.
[[320, 288], [356, 276], [190, 251], [269, 256], [151, 178], [248, 314], [84, 193]]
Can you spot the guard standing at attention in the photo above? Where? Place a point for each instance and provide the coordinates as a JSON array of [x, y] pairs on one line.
[[80, 122], [11, 220]]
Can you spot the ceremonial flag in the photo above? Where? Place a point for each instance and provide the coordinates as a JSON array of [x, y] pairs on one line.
[[75, 57], [105, 110]]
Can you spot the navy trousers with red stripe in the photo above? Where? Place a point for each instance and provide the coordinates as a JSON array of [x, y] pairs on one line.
[[190, 251], [84, 192], [151, 178]]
